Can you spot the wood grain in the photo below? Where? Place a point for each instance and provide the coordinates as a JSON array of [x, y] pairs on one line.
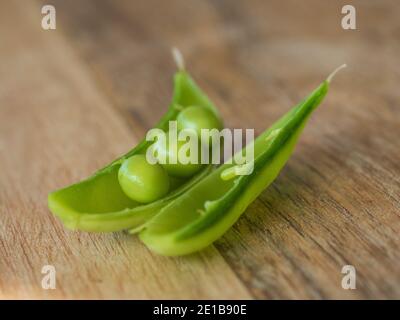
[[73, 99]]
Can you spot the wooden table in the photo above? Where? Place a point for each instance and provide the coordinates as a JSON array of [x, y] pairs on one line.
[[74, 98]]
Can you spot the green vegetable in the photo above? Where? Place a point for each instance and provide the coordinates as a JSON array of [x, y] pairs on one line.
[[99, 204], [196, 210], [166, 153], [197, 118], [208, 209], [142, 181], [191, 121]]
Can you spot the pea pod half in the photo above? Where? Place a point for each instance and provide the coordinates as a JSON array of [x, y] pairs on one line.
[[99, 204], [208, 209]]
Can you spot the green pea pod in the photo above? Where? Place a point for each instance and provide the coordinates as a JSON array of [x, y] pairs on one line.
[[204, 213], [99, 204]]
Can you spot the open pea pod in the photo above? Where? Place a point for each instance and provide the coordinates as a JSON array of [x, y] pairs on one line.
[[204, 213], [99, 204]]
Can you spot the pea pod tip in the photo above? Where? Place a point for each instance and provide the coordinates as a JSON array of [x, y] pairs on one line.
[[178, 58], [334, 72]]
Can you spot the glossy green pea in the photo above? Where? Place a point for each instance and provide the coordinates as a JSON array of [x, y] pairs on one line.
[[197, 118], [169, 157], [142, 181]]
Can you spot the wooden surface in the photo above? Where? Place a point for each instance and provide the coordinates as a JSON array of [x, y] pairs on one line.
[[73, 99]]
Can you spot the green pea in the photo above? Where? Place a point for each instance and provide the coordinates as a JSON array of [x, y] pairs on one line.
[[197, 118], [169, 158], [142, 181]]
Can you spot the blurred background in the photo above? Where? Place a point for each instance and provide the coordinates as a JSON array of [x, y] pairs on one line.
[[74, 98]]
